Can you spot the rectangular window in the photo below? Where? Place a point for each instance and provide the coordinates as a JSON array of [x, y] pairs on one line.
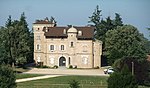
[[51, 47], [38, 37], [62, 47], [51, 60], [38, 47], [69, 61], [71, 44]]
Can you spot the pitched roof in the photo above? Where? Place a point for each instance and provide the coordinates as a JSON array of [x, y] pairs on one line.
[[43, 22], [87, 32]]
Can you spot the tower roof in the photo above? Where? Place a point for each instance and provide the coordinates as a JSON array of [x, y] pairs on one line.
[[72, 30]]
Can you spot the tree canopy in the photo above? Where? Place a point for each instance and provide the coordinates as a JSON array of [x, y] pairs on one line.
[[16, 42], [101, 25], [124, 41]]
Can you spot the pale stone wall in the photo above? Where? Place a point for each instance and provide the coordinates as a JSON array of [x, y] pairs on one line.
[[97, 53], [83, 54]]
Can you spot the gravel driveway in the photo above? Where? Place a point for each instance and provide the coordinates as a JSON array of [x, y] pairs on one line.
[[90, 72]]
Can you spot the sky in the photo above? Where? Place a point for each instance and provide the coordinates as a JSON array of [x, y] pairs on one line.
[[77, 12]]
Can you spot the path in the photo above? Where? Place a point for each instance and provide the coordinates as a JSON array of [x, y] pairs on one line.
[[61, 72], [36, 78]]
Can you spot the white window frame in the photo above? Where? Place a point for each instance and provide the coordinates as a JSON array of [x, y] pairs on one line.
[[38, 59], [52, 60], [85, 48], [62, 47], [85, 60], [38, 37], [51, 47]]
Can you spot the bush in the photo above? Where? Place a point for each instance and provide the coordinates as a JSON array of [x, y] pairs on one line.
[[97, 67], [70, 66], [44, 66], [7, 77], [74, 84], [74, 66], [141, 69], [55, 66], [123, 79]]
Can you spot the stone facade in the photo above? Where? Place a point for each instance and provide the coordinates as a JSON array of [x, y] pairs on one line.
[[65, 46]]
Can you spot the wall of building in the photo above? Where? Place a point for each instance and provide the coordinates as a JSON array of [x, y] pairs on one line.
[[83, 53]]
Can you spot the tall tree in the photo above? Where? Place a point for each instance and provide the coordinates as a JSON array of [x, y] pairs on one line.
[[124, 41], [117, 20], [96, 20], [102, 26], [17, 41]]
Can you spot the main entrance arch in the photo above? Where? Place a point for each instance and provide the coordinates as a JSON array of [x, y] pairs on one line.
[[62, 61]]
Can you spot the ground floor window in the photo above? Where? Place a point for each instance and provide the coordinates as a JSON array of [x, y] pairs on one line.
[[84, 60], [51, 60], [69, 61]]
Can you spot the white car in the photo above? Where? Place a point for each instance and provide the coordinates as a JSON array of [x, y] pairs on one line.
[[108, 70]]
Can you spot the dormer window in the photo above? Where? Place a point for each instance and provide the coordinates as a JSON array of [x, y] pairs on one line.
[[64, 31], [79, 33], [46, 30]]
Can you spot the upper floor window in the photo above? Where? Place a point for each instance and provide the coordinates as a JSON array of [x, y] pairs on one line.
[[38, 37], [51, 47], [84, 48], [38, 47], [71, 44], [62, 47]]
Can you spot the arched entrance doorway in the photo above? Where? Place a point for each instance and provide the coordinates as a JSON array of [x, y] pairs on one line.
[[62, 61]]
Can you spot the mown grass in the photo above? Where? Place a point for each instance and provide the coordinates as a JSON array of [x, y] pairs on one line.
[[62, 82], [21, 76]]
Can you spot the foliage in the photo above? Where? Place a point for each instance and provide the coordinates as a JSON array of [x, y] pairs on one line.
[[16, 42], [141, 68], [124, 41], [74, 84], [55, 66], [7, 77], [70, 66], [123, 79], [102, 26]]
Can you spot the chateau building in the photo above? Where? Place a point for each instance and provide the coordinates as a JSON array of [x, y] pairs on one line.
[[65, 46]]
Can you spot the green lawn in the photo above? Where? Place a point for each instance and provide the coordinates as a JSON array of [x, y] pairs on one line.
[[20, 76], [62, 82]]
